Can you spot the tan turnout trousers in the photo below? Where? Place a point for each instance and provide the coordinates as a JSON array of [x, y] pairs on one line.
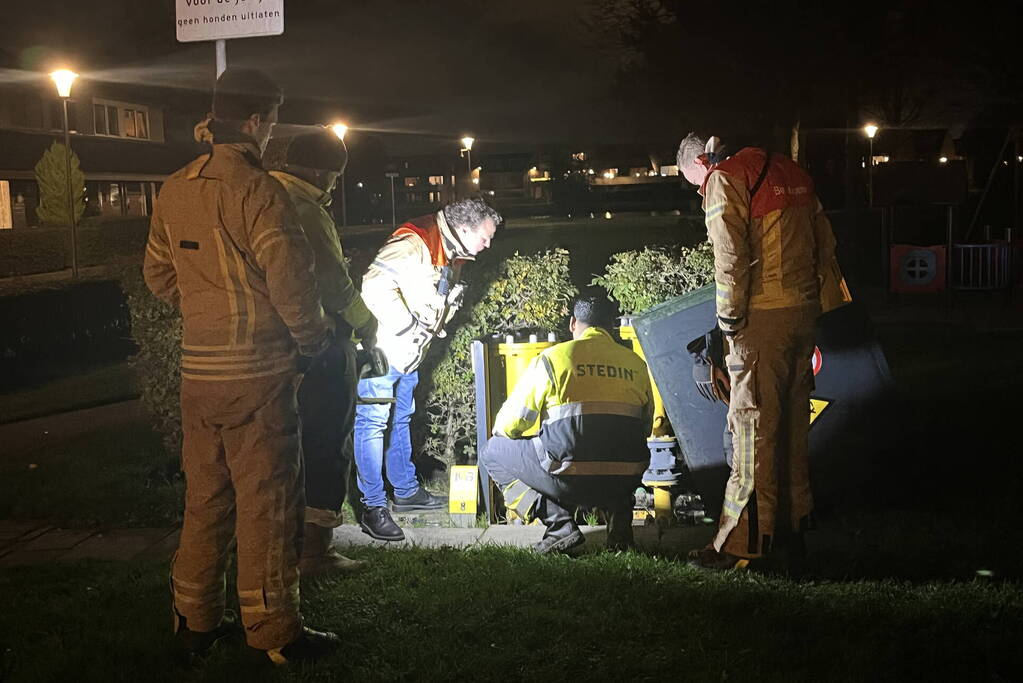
[[243, 469], [769, 364]]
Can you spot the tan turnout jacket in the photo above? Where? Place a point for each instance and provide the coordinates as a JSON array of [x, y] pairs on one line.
[[771, 252], [226, 247]]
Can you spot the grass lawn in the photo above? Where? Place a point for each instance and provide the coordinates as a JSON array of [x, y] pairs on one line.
[[107, 383], [500, 614], [113, 476]]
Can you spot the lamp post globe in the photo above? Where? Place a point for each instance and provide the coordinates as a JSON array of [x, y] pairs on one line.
[[870, 130], [467, 149]]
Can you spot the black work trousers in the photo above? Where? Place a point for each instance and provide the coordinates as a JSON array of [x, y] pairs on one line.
[[326, 408], [507, 460]]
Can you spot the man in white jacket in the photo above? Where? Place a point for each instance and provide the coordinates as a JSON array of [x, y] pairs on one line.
[[413, 288]]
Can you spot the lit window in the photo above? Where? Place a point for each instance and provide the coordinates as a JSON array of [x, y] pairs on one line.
[[121, 119], [436, 180], [411, 181], [128, 122], [142, 125]]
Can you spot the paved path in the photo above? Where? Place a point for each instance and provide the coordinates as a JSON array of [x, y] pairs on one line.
[[28, 543], [37, 433], [32, 543]]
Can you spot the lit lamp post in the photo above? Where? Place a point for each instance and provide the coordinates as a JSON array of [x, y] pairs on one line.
[[467, 153], [64, 79], [391, 175], [340, 130], [871, 130]]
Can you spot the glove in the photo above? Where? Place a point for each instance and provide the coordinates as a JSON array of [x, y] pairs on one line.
[[701, 350], [371, 363], [456, 295], [703, 377], [367, 334]]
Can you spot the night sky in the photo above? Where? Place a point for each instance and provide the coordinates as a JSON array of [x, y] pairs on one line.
[[600, 71]]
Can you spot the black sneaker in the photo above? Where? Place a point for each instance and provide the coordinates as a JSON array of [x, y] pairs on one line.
[[377, 523], [199, 643], [420, 500], [309, 645]]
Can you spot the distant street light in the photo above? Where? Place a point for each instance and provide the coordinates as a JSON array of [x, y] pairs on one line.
[[870, 130], [467, 153], [64, 79], [340, 130]]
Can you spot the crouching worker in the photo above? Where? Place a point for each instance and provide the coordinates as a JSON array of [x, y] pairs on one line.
[[573, 431], [308, 167]]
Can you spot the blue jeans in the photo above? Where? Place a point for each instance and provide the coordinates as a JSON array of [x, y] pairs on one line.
[[378, 443]]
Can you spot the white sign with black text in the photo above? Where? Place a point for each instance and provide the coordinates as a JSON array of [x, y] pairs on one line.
[[228, 19]]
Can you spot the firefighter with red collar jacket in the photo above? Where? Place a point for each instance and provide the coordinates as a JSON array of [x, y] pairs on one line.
[[413, 288], [775, 270]]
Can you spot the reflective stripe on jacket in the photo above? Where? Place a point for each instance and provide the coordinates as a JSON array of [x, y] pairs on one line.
[[774, 253], [339, 295], [591, 401], [411, 287], [226, 247]]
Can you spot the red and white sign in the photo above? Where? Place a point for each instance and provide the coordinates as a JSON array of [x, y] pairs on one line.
[[917, 269], [817, 361]]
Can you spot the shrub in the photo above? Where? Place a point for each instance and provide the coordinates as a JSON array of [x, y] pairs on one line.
[[525, 292], [156, 330], [638, 280], [51, 173]]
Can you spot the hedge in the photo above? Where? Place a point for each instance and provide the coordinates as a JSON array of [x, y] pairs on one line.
[[640, 279], [26, 251], [521, 292]]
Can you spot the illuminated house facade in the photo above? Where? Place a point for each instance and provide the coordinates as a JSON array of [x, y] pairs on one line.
[[127, 138]]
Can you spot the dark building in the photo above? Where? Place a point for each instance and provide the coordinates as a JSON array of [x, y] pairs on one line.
[[128, 138]]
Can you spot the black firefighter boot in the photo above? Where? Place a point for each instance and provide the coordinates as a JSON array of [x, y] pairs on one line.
[[562, 532], [619, 530]]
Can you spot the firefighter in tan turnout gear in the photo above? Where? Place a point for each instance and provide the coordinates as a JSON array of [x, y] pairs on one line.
[[573, 431], [226, 248], [773, 249]]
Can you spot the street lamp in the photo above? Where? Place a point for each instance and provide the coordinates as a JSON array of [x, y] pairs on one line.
[[467, 153], [340, 130], [871, 130], [64, 79], [392, 175]]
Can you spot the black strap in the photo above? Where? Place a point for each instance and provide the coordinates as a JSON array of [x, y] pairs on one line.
[[760, 178]]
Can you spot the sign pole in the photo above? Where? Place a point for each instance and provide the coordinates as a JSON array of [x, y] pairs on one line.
[[221, 57]]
